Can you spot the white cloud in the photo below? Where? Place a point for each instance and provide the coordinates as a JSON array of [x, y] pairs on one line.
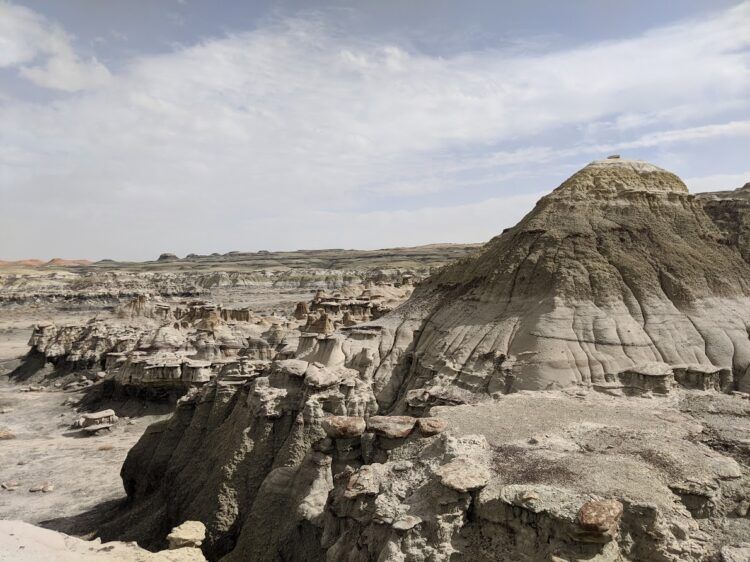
[[43, 52], [297, 127]]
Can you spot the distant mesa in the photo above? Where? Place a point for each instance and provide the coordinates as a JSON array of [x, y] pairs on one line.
[[167, 257], [55, 262], [27, 263], [59, 262]]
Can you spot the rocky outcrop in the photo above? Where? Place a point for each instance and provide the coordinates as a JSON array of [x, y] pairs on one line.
[[311, 473], [730, 210], [166, 348], [542, 400]]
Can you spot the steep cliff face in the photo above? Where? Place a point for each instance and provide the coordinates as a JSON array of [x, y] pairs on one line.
[[730, 210], [616, 282], [285, 469]]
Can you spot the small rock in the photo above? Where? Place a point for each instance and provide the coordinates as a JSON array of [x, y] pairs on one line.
[[743, 508], [344, 427], [319, 376], [528, 498], [6, 434], [41, 487], [599, 520], [431, 426], [463, 475], [6, 410], [401, 466], [10, 486], [406, 522], [189, 534], [392, 427], [48, 488], [363, 482]]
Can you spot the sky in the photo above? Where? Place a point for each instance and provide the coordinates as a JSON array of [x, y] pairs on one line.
[[128, 129]]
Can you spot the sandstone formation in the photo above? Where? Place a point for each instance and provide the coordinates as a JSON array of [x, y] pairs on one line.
[[165, 347], [730, 210], [575, 391]]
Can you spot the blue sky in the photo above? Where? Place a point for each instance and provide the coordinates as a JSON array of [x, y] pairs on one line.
[[132, 128]]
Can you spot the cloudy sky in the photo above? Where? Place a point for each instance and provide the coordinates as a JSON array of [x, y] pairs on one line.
[[134, 128]]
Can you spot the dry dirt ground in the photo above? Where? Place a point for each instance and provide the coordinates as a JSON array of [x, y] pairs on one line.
[[83, 472]]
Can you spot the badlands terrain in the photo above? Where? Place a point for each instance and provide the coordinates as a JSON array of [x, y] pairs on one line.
[[576, 389], [111, 302]]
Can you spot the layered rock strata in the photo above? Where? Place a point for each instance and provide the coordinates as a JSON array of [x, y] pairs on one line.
[[575, 391], [730, 210]]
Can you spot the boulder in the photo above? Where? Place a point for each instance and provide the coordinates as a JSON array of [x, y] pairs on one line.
[[391, 427], [431, 426], [599, 520], [344, 427], [189, 534], [463, 475]]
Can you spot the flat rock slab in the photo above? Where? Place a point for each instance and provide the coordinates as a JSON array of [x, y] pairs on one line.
[[344, 427], [392, 427], [463, 475], [431, 426], [190, 533]]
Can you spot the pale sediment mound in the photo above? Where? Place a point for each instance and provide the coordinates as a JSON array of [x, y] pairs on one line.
[[616, 267]]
